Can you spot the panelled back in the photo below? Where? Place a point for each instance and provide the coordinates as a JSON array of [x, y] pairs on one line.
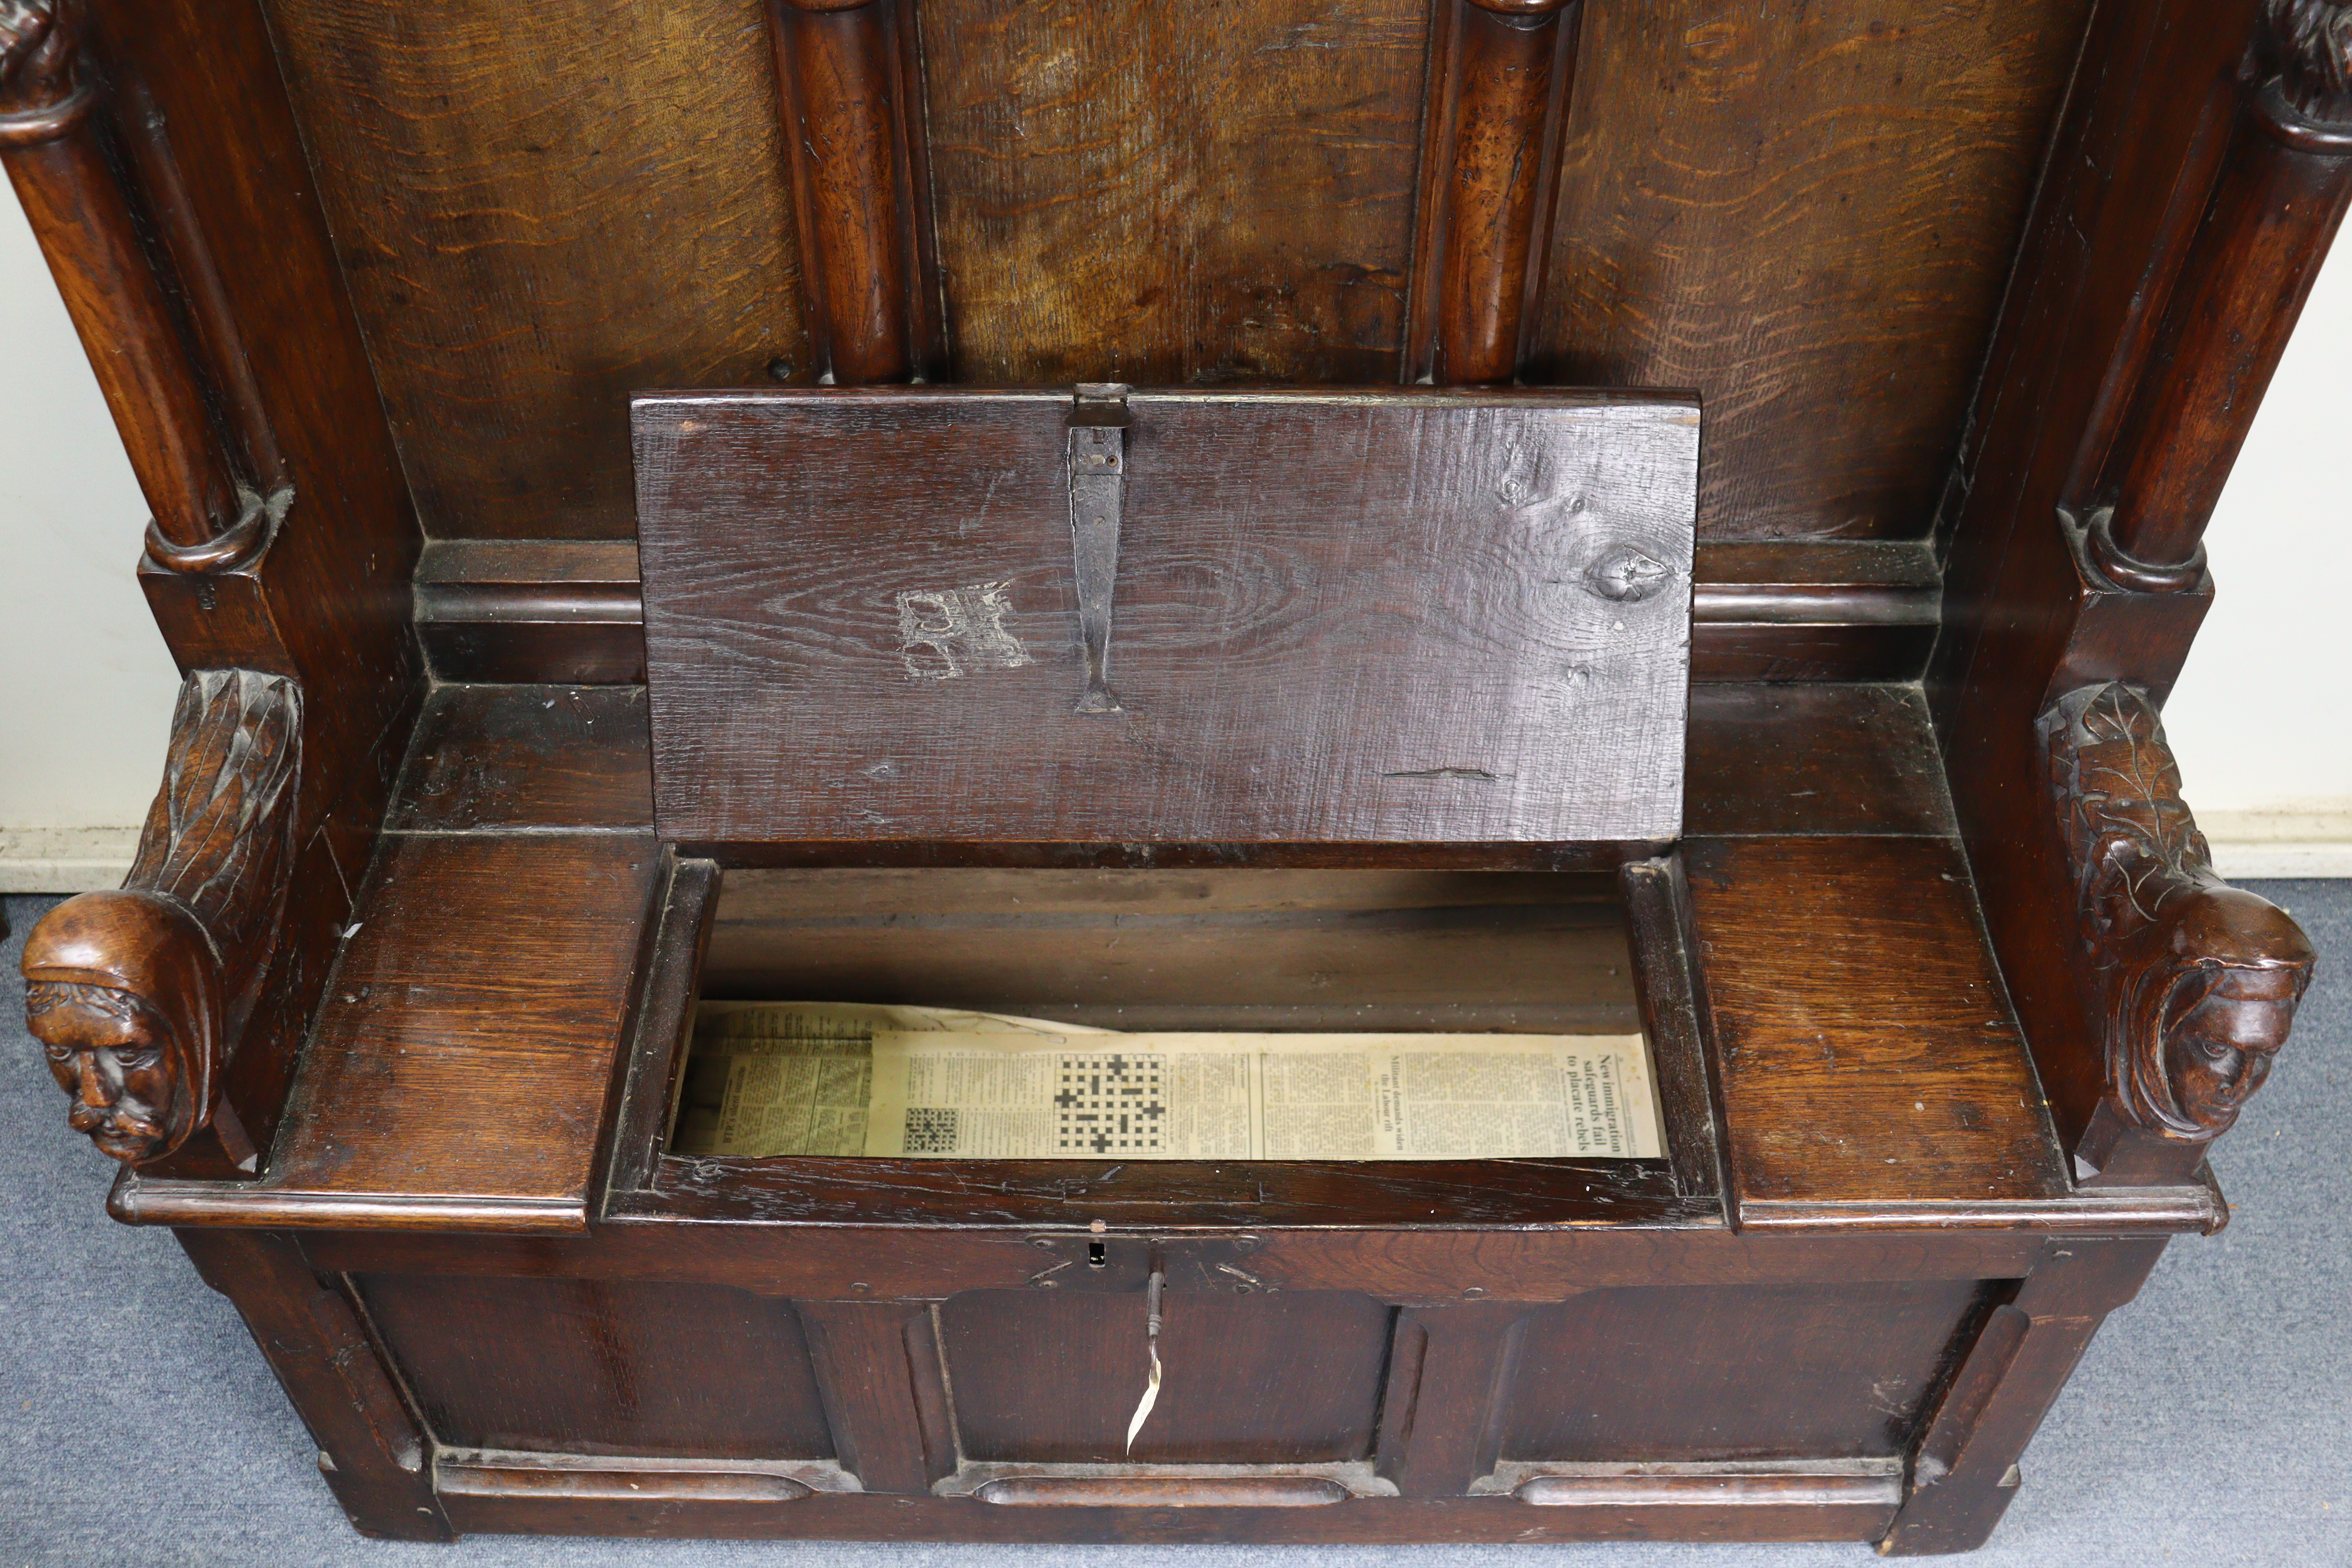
[[544, 207]]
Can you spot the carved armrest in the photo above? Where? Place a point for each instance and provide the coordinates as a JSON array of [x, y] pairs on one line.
[[2188, 984], [138, 995]]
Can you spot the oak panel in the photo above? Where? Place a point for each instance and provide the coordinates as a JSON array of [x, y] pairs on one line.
[[1757, 1372], [1187, 191], [1808, 212], [1289, 1378], [616, 1366], [542, 205], [1865, 1048]]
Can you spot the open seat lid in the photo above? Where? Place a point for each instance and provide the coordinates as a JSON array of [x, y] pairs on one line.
[[1401, 616]]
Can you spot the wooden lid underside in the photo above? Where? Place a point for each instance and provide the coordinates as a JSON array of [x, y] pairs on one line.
[[1388, 617]]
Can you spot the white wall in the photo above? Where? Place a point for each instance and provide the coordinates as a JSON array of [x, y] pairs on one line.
[[86, 706], [2259, 720], [2266, 753]]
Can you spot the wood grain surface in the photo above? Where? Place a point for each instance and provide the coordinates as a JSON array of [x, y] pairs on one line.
[[1809, 759], [1789, 612], [492, 757], [1864, 1047], [618, 1366], [1287, 1378], [1808, 212], [1188, 950], [543, 206], [1824, 1370], [1337, 617], [472, 1028], [1189, 190]]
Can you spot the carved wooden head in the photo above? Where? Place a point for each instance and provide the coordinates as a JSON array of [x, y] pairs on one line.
[[123, 991], [2204, 1015]]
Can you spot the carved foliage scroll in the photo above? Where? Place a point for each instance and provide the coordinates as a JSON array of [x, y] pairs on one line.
[[138, 995], [2193, 983]]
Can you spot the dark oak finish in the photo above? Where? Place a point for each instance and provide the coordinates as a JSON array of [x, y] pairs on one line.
[[1499, 79], [1771, 760], [1291, 1377], [1813, 612], [2030, 615], [1657, 921], [572, 611], [374, 1450], [1967, 1468], [1791, 209], [524, 611], [2188, 984], [1864, 1045], [1187, 192], [2284, 185], [395, 1095], [851, 82], [139, 996], [488, 758], [566, 164], [1175, 950], [172, 199], [56, 141], [878, 1367], [1515, 673], [621, 1367], [1826, 1373], [1247, 708], [1451, 1369]]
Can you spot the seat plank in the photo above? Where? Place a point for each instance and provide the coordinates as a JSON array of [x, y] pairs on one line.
[[1863, 1044], [472, 1031]]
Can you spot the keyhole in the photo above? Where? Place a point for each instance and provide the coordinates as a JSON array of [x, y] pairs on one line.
[[1095, 1259]]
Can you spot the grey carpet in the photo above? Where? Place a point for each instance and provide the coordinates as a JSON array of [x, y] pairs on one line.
[[2207, 1426]]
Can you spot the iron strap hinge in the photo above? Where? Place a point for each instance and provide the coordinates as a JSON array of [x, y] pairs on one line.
[[1097, 460]]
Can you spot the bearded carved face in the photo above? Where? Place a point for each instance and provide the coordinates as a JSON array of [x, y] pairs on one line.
[[2218, 1051], [117, 1059]]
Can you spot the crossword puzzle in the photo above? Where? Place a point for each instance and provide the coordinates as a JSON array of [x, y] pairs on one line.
[[1108, 1104]]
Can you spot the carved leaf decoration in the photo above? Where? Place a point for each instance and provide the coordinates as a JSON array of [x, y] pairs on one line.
[[2126, 778], [217, 833]]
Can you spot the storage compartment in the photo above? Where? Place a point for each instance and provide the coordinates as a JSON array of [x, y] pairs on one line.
[[1537, 952], [1200, 950]]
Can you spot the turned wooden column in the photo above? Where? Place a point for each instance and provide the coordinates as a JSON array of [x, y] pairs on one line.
[[67, 170], [2283, 188], [850, 76], [1499, 72]]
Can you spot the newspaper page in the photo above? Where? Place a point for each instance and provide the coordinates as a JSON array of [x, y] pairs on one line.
[[796, 1077], [1262, 1096], [838, 1079]]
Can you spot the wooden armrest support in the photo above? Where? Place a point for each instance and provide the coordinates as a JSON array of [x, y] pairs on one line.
[[2188, 984], [137, 994]]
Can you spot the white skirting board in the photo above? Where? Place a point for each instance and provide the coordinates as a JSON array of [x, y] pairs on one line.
[[65, 859], [2247, 846]]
